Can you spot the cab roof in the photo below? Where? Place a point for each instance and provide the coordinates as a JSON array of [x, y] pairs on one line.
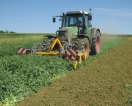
[[76, 12]]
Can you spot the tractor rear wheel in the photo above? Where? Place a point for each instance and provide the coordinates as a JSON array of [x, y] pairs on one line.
[[82, 44], [95, 47]]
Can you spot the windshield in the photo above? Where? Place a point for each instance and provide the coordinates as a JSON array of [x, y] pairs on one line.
[[73, 20]]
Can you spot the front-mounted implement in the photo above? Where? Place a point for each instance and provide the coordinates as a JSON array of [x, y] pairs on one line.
[[74, 40], [64, 51]]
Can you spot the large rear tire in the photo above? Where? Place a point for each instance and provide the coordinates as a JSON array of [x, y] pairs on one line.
[[82, 44], [95, 47]]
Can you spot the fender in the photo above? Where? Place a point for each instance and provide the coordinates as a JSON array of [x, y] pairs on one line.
[[93, 31]]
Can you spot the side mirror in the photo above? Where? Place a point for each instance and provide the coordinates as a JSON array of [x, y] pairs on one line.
[[90, 16], [54, 19]]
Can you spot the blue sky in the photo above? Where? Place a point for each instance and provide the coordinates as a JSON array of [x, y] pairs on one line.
[[35, 16]]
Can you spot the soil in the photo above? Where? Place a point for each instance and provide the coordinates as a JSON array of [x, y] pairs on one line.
[[106, 81]]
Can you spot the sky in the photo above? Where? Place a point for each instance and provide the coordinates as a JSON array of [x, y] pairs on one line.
[[35, 16]]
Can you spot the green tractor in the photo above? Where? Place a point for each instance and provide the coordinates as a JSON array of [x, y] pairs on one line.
[[76, 32]]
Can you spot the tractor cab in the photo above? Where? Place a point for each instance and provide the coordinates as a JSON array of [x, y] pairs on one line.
[[77, 18]]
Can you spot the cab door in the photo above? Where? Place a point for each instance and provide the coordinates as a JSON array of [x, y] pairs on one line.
[[88, 26]]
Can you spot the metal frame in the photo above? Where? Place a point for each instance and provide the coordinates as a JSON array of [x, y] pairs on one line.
[[80, 55]]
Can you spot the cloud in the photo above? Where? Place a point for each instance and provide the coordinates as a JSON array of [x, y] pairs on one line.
[[123, 14], [114, 12]]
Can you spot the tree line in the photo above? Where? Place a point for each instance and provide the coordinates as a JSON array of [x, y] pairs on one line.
[[1, 31]]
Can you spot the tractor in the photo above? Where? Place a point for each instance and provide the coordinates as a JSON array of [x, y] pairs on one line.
[[77, 33], [74, 40]]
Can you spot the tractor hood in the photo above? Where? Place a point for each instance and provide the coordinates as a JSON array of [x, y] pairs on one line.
[[68, 30], [67, 33]]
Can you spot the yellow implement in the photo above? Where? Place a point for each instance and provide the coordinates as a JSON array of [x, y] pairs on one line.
[[79, 55], [56, 40], [50, 52], [47, 53]]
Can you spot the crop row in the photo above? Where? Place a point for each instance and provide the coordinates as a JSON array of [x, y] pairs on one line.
[[20, 76]]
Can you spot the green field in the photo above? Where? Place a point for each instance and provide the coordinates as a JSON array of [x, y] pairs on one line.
[[21, 76], [105, 81]]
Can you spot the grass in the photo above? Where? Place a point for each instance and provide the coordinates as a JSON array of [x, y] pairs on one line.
[[20, 40], [9, 46], [105, 81], [128, 86], [26, 74], [44, 69], [107, 43]]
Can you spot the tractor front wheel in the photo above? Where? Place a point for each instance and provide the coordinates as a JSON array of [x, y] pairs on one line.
[[82, 44]]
